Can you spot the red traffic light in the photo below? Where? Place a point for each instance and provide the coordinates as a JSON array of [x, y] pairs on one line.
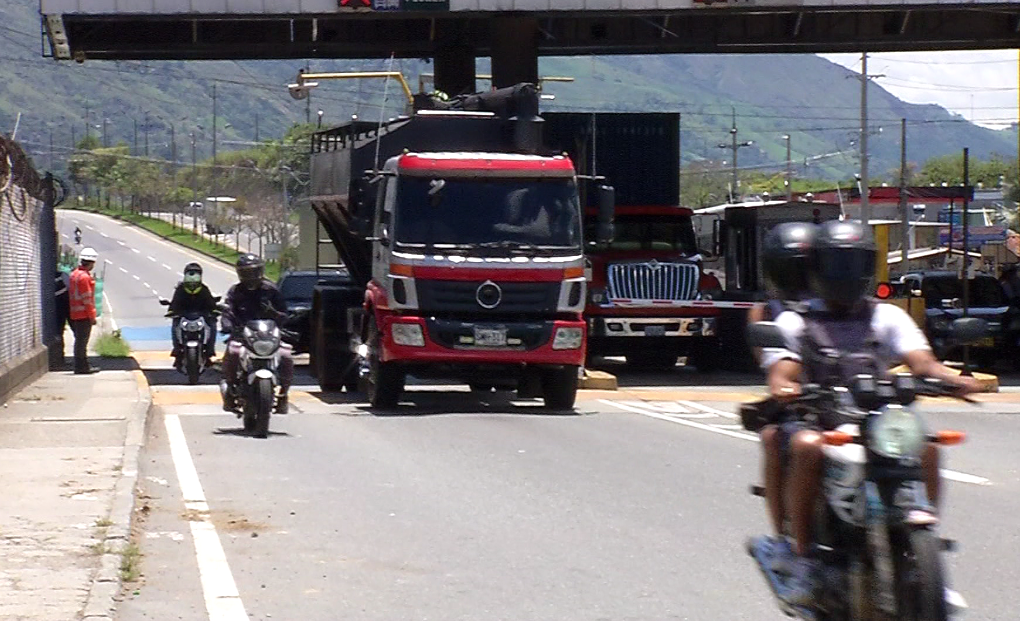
[[883, 291]]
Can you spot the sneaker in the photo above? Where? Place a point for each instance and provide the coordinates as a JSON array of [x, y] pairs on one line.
[[86, 371], [228, 398], [782, 556], [800, 587]]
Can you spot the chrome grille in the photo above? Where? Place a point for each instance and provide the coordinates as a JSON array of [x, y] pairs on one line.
[[653, 281]]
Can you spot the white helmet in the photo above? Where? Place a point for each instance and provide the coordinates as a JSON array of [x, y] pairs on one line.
[[88, 254]]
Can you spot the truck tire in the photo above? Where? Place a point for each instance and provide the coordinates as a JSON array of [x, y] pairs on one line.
[[385, 379], [332, 362], [559, 387]]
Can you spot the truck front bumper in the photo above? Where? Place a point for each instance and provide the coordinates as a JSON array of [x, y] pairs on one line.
[[551, 342], [647, 327]]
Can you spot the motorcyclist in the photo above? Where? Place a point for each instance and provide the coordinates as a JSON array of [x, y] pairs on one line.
[[252, 298], [786, 266], [77, 235], [192, 296], [868, 336]]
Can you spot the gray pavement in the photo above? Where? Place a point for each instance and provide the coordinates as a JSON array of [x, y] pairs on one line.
[[69, 450]]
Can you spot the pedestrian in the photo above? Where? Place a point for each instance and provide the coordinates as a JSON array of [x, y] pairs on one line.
[[61, 312], [82, 294]]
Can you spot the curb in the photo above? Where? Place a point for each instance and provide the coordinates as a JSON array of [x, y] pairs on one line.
[[104, 591]]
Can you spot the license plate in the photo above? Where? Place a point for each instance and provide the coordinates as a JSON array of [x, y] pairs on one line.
[[655, 330], [988, 341], [490, 337]]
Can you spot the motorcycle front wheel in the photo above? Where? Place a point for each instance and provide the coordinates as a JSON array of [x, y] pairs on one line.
[[191, 363], [919, 578], [263, 406]]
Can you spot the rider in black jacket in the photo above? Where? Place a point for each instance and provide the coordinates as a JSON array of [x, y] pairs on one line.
[[192, 296], [253, 297]]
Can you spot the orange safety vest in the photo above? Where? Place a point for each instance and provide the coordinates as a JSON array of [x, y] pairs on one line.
[[82, 294]]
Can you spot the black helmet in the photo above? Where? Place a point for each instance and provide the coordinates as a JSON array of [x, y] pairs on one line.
[[249, 270], [192, 268], [786, 257], [192, 277], [844, 262]]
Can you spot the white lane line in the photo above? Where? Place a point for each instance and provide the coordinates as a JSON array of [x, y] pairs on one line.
[[107, 261], [146, 285], [135, 276], [107, 236], [121, 243], [136, 250], [705, 408], [92, 229], [109, 307], [168, 267], [152, 258], [64, 235], [952, 475], [123, 270], [222, 601]]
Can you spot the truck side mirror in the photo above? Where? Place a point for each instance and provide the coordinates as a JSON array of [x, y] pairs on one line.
[[716, 237], [607, 211], [361, 207]]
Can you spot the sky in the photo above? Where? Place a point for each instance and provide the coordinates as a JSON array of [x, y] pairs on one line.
[[981, 86]]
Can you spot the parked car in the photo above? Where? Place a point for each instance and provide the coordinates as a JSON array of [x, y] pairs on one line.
[[943, 298], [297, 287]]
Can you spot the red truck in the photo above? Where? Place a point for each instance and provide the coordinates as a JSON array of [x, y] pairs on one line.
[[463, 239], [649, 298]]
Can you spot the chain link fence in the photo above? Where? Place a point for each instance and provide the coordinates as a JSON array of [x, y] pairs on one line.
[[27, 267]]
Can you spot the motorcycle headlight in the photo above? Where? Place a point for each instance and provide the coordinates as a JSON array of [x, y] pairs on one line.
[[264, 347], [192, 325], [897, 433]]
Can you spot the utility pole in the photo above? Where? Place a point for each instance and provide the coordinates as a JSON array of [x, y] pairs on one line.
[[173, 158], [87, 131], [212, 177], [194, 188], [256, 127], [74, 140], [904, 209], [135, 152], [214, 124], [734, 146], [145, 130], [789, 171], [865, 191], [106, 142], [51, 149], [966, 252]]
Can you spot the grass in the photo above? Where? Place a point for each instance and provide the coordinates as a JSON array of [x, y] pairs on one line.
[[99, 548], [130, 559], [103, 523], [183, 237], [112, 346]]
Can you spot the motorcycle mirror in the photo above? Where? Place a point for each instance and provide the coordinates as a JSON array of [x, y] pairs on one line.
[[164, 301], [967, 330], [765, 334], [217, 298]]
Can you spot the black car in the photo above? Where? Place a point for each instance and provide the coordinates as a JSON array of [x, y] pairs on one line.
[[943, 300], [297, 287]]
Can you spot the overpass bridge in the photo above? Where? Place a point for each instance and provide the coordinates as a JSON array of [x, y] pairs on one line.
[[514, 33]]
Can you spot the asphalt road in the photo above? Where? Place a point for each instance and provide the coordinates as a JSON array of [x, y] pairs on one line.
[[634, 508], [139, 268]]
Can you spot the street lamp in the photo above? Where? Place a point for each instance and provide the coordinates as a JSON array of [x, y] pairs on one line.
[[789, 174]]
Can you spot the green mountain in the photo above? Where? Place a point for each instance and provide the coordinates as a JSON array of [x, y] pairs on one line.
[[806, 97]]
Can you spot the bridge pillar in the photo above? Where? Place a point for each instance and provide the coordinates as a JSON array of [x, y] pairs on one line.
[[514, 51], [454, 60]]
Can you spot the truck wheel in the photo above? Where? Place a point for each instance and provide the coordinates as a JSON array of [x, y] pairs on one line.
[[385, 379], [559, 388], [329, 363], [652, 360], [705, 357]]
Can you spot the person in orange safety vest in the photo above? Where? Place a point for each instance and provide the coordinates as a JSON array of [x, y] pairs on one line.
[[82, 293]]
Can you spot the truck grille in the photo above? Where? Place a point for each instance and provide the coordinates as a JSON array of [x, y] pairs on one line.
[[460, 296], [653, 281]]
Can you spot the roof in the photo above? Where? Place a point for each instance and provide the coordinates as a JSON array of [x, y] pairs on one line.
[[497, 164], [925, 253]]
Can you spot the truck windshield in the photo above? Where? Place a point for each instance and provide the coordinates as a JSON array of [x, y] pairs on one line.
[[650, 233], [501, 213]]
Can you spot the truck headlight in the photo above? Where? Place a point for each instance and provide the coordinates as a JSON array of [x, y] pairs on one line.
[[568, 338], [408, 334]]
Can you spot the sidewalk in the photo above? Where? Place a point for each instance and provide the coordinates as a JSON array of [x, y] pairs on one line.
[[69, 447]]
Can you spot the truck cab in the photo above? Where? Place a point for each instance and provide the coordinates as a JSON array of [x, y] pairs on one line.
[[638, 280]]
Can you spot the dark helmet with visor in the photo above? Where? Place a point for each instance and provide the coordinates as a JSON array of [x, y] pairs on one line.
[[786, 258], [249, 270], [844, 262]]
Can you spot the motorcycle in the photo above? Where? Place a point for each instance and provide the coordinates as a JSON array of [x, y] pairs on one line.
[[875, 532], [77, 237], [193, 332], [257, 374]]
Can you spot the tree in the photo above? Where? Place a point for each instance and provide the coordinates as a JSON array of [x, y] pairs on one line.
[[703, 184]]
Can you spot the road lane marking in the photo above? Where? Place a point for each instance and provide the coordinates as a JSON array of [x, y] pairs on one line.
[[113, 322], [121, 243], [146, 285], [89, 227], [136, 250], [123, 270], [168, 267], [705, 408], [135, 276], [952, 475], [151, 258], [104, 235], [63, 235], [222, 600]]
